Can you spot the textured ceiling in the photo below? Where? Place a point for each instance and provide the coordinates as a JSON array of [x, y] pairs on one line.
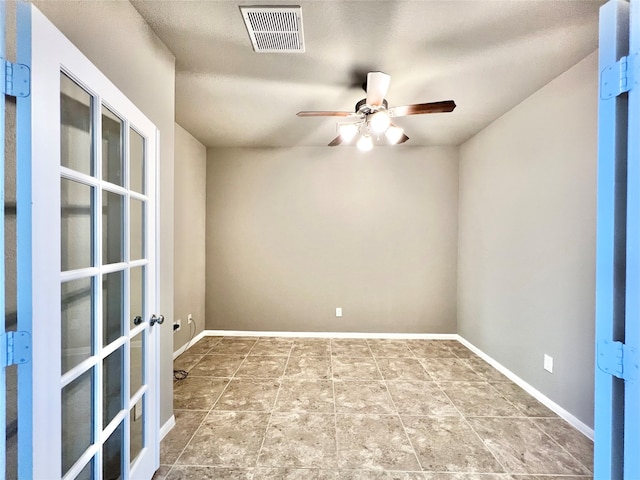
[[487, 55]]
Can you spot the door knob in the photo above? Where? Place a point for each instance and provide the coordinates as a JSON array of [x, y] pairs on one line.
[[159, 320], [137, 320]]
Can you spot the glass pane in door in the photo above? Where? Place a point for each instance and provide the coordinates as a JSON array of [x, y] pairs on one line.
[[136, 229], [137, 363], [76, 229], [111, 147], [112, 306], [77, 419], [136, 435], [112, 227], [112, 388], [87, 472], [77, 322], [112, 455], [136, 162], [75, 127], [136, 295]]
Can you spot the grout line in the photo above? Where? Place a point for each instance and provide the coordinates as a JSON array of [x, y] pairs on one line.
[[212, 405], [531, 420], [473, 430], [404, 428], [273, 407], [335, 403]]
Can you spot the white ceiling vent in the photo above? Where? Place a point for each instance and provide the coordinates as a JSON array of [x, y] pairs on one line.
[[274, 29]]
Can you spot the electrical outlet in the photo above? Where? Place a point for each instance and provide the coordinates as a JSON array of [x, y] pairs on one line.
[[548, 363], [338, 311], [189, 318], [177, 325]]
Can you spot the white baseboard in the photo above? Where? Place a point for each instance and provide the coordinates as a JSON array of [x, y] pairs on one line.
[[391, 336], [542, 398], [166, 428], [188, 345]]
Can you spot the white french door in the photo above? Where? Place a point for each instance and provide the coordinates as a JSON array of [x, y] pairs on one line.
[[86, 266]]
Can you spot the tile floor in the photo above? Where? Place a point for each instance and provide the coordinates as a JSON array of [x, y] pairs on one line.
[[307, 408]]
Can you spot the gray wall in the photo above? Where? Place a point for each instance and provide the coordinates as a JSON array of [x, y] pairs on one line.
[[118, 41], [189, 237], [294, 233], [527, 238]]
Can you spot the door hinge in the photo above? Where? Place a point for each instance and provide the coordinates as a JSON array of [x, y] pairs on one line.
[[17, 79], [620, 77], [618, 359], [15, 348]]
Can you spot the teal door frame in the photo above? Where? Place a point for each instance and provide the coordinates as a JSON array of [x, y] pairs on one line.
[[617, 372]]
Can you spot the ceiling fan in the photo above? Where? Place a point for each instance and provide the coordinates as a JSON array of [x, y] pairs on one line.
[[372, 116]]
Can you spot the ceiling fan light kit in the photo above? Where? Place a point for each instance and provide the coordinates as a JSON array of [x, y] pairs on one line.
[[373, 116]]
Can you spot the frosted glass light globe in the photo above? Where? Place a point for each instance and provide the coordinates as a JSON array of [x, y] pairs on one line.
[[394, 134], [379, 122], [348, 131], [365, 143]]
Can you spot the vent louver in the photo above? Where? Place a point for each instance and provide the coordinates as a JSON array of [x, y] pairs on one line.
[[274, 29]]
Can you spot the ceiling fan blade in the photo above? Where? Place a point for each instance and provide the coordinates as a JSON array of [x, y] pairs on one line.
[[326, 114], [377, 86], [420, 108], [336, 141]]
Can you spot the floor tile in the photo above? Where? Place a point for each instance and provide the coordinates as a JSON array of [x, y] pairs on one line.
[[373, 442], [235, 346], [420, 398], [378, 475], [204, 345], [161, 473], [197, 393], [316, 347], [523, 448], [299, 440], [430, 349], [272, 346], [389, 348], [262, 367], [179, 472], [295, 474], [350, 348], [528, 405], [305, 396], [459, 349], [217, 366], [449, 369], [448, 444], [227, 439], [360, 368], [402, 369], [249, 394], [308, 367], [569, 438], [187, 361], [486, 371], [362, 397], [478, 476], [479, 399], [187, 422]]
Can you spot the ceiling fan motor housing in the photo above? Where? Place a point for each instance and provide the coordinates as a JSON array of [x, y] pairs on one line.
[[364, 109]]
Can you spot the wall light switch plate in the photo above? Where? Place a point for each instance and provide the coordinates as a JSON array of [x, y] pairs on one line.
[[338, 311], [548, 363]]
